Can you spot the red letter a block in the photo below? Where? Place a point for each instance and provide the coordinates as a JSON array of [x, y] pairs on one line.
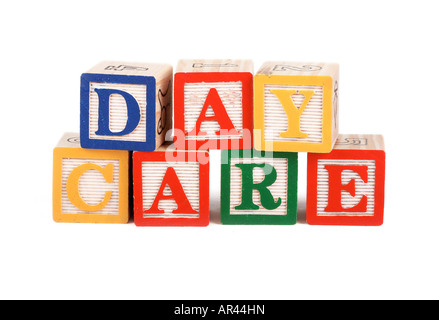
[[346, 186], [213, 104], [171, 188]]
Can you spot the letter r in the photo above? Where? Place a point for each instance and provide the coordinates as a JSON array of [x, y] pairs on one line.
[[248, 186]]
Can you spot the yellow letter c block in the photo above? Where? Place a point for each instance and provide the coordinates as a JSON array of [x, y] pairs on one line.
[[72, 186]]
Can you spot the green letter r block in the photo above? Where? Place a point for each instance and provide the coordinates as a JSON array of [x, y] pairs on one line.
[[258, 190]]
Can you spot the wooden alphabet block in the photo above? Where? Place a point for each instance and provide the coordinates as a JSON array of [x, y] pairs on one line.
[[89, 185], [346, 186], [296, 107], [171, 187], [126, 106], [258, 188], [213, 101]]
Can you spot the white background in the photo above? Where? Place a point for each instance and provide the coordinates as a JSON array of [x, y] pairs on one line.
[[388, 56]]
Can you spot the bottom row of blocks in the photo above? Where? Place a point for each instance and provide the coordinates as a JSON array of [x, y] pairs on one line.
[[170, 187]]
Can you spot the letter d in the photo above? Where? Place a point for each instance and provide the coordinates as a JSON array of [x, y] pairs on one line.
[[133, 112]]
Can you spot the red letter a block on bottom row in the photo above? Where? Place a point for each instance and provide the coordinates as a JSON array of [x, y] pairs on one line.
[[171, 188], [346, 186]]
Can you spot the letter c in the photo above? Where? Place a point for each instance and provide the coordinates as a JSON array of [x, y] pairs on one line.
[[72, 186]]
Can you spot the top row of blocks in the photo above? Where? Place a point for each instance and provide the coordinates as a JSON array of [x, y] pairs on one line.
[[287, 107]]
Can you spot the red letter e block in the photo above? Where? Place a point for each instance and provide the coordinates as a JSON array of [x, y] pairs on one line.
[[213, 104], [171, 188], [346, 186]]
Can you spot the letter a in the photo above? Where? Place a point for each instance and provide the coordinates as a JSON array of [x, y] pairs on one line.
[[133, 112], [248, 186], [170, 179], [335, 187], [213, 99], [293, 113]]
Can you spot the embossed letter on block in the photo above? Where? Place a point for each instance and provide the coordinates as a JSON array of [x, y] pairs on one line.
[[296, 107], [126, 106], [171, 188], [258, 190], [346, 186], [213, 102], [89, 185]]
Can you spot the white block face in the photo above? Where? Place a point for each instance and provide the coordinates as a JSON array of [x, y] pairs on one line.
[[152, 178], [347, 201], [92, 187], [195, 95], [276, 120], [278, 189], [118, 111]]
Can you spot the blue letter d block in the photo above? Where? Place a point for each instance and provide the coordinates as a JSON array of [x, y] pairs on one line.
[[107, 104]]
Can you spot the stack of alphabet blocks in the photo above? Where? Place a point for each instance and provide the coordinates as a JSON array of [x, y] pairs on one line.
[[123, 162]]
